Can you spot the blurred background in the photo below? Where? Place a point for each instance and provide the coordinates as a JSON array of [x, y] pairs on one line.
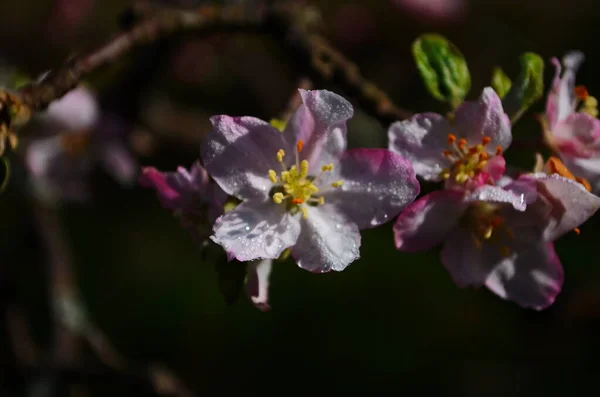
[[391, 322]]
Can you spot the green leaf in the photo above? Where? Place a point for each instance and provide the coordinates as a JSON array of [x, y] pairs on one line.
[[528, 88], [442, 67], [500, 82]]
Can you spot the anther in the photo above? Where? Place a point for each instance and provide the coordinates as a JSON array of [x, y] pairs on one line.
[[303, 168], [451, 138], [280, 154], [327, 167], [273, 176], [499, 150], [300, 145], [585, 183], [447, 153], [462, 143], [577, 231], [337, 183], [278, 198], [486, 140], [591, 102], [581, 92], [297, 201]]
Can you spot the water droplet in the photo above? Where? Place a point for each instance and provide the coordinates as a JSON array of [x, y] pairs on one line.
[[247, 228]]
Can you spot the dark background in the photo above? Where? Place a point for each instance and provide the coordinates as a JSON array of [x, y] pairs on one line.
[[391, 322]]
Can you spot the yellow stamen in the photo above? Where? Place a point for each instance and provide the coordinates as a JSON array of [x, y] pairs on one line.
[[278, 198], [303, 169], [304, 212], [273, 176], [280, 155], [337, 183], [328, 167]]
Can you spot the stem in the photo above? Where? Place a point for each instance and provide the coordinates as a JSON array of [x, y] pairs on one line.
[[299, 24]]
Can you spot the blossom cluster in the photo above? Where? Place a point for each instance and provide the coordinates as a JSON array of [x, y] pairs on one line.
[[265, 191]]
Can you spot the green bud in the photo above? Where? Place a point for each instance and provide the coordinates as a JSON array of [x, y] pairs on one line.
[[443, 68]]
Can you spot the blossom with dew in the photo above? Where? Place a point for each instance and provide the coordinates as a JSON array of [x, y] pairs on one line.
[[571, 126], [464, 149], [300, 188], [501, 236], [190, 195], [76, 135]]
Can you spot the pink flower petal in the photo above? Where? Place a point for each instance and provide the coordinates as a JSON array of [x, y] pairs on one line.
[[428, 221], [119, 163], [483, 118], [578, 135], [497, 195], [561, 99], [77, 110], [468, 264], [239, 153], [257, 285], [377, 185], [588, 168], [495, 167], [422, 140], [169, 197], [320, 122], [572, 204], [328, 241], [256, 230], [532, 278]]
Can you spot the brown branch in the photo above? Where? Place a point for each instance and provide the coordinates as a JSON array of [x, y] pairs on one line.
[[300, 24], [37, 96]]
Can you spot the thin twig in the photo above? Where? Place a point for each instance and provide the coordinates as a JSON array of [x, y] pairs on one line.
[[300, 24], [38, 95]]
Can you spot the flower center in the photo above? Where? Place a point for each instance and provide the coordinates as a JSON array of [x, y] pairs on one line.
[[588, 104], [467, 161], [486, 225], [293, 186], [74, 144]]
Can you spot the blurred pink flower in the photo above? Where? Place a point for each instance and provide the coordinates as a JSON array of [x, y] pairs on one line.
[[433, 10], [80, 138], [354, 25], [66, 17], [571, 126]]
